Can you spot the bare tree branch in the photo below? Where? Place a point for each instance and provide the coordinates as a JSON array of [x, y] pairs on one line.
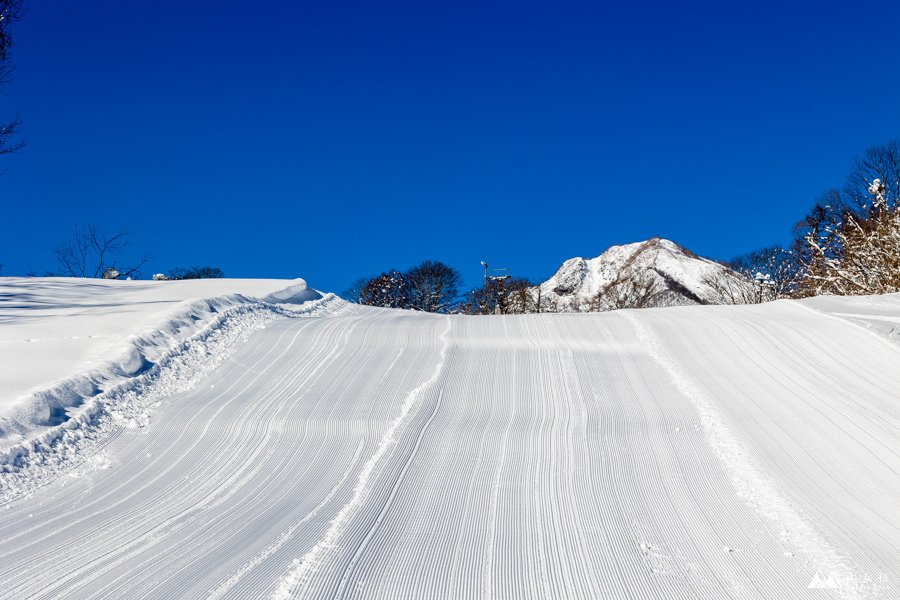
[[10, 11], [90, 253]]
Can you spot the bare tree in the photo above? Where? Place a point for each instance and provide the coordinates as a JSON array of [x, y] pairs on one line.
[[481, 301], [433, 286], [878, 163], [625, 292], [205, 272], [544, 303], [10, 12], [88, 252], [6, 132], [430, 287], [354, 292], [732, 290], [506, 296], [520, 296], [492, 298]]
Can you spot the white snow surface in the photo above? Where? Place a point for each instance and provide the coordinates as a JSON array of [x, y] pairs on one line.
[[63, 341], [656, 272], [325, 450]]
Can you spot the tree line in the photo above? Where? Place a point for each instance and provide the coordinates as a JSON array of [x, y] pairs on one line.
[[849, 241], [433, 286], [430, 286], [507, 295], [847, 244]]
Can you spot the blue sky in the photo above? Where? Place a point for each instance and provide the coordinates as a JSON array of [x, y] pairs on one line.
[[331, 140]]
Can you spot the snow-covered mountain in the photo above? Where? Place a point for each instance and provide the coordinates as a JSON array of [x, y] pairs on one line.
[[656, 272]]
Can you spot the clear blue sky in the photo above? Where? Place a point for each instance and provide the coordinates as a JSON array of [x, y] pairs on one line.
[[331, 140]]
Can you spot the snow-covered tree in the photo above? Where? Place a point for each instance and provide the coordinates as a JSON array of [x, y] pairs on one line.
[[878, 166], [854, 252], [522, 296], [388, 290], [506, 295], [780, 266]]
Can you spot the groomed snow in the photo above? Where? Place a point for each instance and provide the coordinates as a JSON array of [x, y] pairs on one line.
[[350, 452], [64, 341]]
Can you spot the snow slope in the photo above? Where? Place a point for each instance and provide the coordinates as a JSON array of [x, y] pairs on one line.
[[64, 341], [652, 273], [693, 452]]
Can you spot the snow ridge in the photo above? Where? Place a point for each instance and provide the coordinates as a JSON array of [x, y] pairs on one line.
[[751, 483], [127, 403], [290, 584]]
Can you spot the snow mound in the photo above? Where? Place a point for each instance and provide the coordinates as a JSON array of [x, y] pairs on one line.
[[298, 293]]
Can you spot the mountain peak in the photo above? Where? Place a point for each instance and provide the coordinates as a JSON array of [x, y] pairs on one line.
[[654, 272]]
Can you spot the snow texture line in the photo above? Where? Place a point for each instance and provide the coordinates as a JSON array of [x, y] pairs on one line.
[[26, 465], [304, 566], [260, 557], [759, 491]]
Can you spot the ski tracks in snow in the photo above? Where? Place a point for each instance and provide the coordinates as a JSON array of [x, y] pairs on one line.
[[260, 557], [752, 484], [299, 573], [383, 454]]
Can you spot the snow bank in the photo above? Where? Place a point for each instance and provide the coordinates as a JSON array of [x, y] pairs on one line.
[[71, 350], [878, 314]]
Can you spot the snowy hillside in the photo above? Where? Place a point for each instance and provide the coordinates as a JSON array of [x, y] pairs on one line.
[[64, 341], [326, 450], [653, 273]]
